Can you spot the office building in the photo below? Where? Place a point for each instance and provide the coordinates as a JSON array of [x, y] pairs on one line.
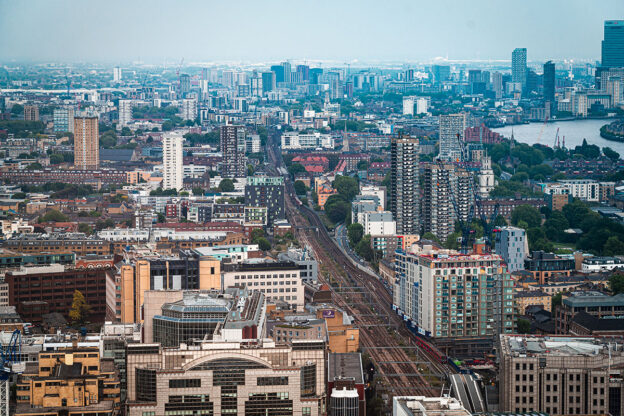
[[117, 74], [278, 70], [86, 143], [404, 188], [444, 294], [237, 315], [512, 246], [279, 281], [293, 140], [445, 189], [549, 85], [544, 266], [172, 161], [345, 384], [452, 127], [31, 113], [36, 291], [305, 260], [613, 44], [519, 66], [304, 70], [268, 81], [265, 191], [597, 304], [378, 223], [56, 243], [560, 376], [125, 112], [234, 161], [422, 105], [185, 84], [69, 382], [63, 120], [497, 84], [188, 109], [187, 271], [258, 378], [441, 73], [287, 72]]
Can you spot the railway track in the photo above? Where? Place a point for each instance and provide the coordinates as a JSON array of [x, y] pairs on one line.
[[403, 367]]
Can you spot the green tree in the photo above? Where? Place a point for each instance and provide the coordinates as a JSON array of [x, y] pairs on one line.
[[79, 311], [523, 326], [256, 234], [528, 214], [198, 191], [347, 187], [355, 232], [18, 195], [56, 159], [364, 249], [83, 227], [431, 237], [555, 301], [161, 218], [125, 131], [17, 109], [300, 188], [616, 283], [108, 140], [337, 208], [614, 246], [610, 153], [226, 185], [54, 216], [296, 168], [264, 244], [34, 166]]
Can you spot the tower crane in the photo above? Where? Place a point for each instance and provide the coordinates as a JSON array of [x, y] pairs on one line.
[[542, 129], [10, 354], [179, 67]]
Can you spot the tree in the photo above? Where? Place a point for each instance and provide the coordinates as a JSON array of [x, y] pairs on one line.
[[431, 237], [523, 326], [56, 159], [528, 214], [125, 131], [355, 232], [616, 283], [54, 216], [556, 300], [364, 249], [347, 187], [300, 188], [296, 168], [256, 234], [34, 166], [108, 140], [226, 185], [17, 109], [337, 208], [161, 218], [198, 191], [613, 246], [18, 195], [610, 153], [83, 227], [80, 309], [264, 244]]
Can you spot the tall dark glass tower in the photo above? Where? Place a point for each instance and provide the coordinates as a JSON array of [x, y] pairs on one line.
[[613, 44], [549, 83]]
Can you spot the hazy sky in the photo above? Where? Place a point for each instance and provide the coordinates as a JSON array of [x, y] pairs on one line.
[[120, 31]]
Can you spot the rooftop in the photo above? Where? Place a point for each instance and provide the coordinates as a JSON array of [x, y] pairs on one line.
[[428, 406], [519, 345], [345, 365]]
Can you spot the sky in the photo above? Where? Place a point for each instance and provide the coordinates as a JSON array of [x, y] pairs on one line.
[[123, 31]]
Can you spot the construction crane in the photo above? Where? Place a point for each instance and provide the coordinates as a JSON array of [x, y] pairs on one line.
[[10, 354], [542, 129], [179, 67], [556, 145]]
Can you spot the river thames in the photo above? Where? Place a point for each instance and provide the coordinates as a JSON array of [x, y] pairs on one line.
[[574, 131]]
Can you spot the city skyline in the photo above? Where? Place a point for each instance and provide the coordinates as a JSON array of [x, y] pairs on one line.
[[345, 32]]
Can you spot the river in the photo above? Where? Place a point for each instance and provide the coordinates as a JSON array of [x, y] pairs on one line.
[[574, 131]]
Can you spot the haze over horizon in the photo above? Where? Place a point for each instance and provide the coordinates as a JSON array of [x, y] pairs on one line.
[[117, 31]]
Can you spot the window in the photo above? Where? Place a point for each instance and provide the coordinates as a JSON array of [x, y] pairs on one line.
[[184, 383]]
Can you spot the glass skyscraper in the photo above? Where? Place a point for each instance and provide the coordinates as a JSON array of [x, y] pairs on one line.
[[613, 44]]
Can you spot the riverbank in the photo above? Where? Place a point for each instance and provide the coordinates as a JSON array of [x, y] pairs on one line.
[[606, 131], [574, 132]]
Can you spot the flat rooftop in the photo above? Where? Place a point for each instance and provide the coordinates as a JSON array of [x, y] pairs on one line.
[[345, 365], [518, 345]]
